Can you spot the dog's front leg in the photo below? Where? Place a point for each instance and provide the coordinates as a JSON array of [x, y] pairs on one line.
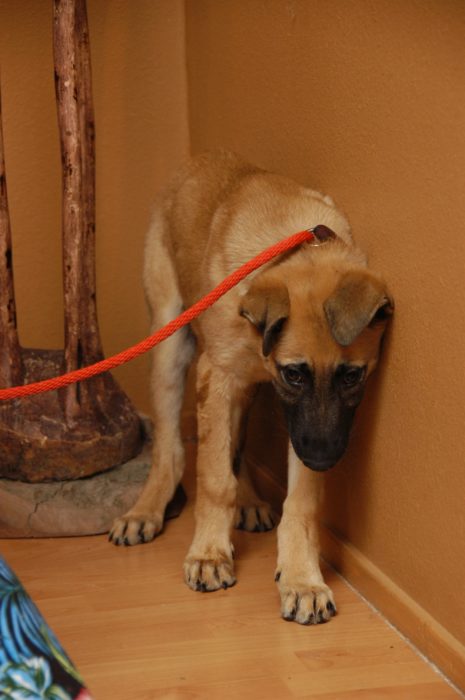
[[305, 597], [209, 563]]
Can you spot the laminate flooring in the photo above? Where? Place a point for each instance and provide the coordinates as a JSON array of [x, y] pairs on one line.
[[136, 632]]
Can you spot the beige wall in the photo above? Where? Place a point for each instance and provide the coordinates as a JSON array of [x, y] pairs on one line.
[[139, 84], [362, 99], [365, 100]]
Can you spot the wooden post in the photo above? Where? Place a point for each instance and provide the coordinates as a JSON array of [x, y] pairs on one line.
[[10, 354], [76, 124], [92, 426]]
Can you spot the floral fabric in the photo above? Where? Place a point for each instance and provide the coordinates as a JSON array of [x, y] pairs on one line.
[[33, 664]]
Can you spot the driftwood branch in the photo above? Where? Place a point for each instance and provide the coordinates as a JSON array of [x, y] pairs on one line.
[[92, 426], [10, 354], [76, 125]]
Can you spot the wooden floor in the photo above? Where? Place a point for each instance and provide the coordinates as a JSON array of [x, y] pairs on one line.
[[136, 632]]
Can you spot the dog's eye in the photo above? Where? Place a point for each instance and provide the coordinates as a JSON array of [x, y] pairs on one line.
[[351, 375], [293, 375]]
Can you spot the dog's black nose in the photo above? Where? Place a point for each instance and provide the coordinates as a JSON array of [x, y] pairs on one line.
[[319, 454], [319, 465]]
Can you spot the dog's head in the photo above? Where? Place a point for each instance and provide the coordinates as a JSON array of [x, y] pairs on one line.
[[319, 335]]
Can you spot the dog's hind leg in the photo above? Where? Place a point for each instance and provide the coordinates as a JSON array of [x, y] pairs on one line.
[[170, 361], [252, 513]]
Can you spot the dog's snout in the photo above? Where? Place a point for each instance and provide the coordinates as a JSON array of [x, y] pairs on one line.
[[319, 430], [321, 466], [317, 453]]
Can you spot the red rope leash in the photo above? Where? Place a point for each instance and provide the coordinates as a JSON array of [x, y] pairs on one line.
[[163, 333]]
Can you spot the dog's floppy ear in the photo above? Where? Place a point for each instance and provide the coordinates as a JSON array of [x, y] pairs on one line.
[[359, 300], [266, 306]]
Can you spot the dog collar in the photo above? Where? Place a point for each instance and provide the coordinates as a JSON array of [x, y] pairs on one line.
[[321, 234]]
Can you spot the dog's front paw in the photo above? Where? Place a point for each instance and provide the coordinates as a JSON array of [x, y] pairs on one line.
[[135, 528], [209, 574], [254, 518], [305, 603]]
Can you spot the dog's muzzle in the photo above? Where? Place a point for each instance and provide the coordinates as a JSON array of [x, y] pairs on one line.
[[319, 466], [318, 454]]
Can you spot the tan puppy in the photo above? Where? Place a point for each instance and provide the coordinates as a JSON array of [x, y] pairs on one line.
[[311, 323]]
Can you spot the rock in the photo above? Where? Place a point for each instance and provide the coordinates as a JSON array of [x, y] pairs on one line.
[[38, 443], [79, 506]]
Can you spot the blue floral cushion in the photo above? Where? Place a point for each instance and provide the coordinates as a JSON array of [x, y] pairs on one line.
[[33, 664]]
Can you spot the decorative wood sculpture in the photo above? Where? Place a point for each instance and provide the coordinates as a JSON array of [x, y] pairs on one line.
[[87, 427], [10, 356]]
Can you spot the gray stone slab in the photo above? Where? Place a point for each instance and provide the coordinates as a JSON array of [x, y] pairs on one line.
[[78, 507]]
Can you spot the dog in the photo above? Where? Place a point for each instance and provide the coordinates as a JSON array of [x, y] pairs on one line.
[[310, 322]]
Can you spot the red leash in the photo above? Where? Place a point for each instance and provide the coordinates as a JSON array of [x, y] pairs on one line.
[[182, 320]]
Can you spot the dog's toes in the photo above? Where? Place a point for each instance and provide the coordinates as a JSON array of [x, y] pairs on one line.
[[254, 518], [209, 574], [135, 529], [307, 605]]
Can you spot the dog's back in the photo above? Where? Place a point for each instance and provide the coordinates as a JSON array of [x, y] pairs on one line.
[[220, 211]]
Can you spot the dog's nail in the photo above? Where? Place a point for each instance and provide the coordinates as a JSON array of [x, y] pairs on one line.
[[290, 616], [277, 576], [141, 534], [330, 608]]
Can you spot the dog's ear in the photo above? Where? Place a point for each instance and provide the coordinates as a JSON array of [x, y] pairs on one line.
[[266, 306], [360, 300]]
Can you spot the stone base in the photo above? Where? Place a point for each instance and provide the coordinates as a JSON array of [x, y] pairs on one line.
[[38, 440], [78, 507]]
